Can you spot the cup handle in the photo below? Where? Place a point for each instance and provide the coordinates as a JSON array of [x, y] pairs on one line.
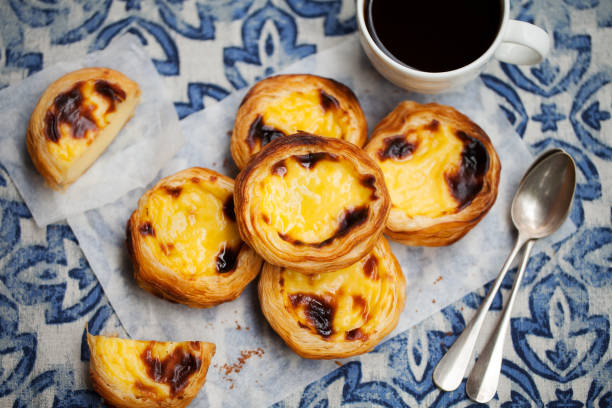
[[523, 44]]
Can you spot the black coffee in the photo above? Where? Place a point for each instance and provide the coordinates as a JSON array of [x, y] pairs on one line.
[[434, 35]]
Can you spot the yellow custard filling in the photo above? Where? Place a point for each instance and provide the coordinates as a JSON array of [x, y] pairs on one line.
[[417, 183], [305, 112], [78, 117], [191, 228], [308, 204], [345, 304], [132, 364]]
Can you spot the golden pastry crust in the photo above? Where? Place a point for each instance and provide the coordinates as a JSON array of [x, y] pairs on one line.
[[286, 104], [441, 170], [75, 120], [148, 374], [311, 203], [184, 241], [335, 314]]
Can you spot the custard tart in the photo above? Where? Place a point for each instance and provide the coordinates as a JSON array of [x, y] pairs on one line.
[[75, 120], [311, 203], [134, 374], [286, 104], [184, 241], [441, 170], [335, 314]]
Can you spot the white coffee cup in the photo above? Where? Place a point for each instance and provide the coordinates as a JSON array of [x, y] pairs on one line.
[[516, 42]]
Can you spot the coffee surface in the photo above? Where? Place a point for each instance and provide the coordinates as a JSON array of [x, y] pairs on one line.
[[434, 35]]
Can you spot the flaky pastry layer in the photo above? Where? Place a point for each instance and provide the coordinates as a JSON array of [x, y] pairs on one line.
[[335, 314], [286, 104], [311, 203], [441, 170], [76, 119], [184, 241], [146, 374]]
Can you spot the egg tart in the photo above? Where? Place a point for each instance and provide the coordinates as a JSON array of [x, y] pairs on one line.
[[184, 241], [335, 314], [134, 374], [441, 170], [311, 203], [75, 120], [286, 104]]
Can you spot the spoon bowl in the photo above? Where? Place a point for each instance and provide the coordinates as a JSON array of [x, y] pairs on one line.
[[543, 199]]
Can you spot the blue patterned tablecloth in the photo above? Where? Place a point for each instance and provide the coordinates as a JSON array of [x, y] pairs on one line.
[[559, 355]]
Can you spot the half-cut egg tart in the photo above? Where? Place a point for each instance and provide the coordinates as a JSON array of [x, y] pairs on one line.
[[75, 120], [184, 241], [310, 203], [335, 314], [144, 374], [286, 104], [441, 170]]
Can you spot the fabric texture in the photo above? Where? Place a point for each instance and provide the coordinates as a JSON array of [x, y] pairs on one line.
[[558, 353]]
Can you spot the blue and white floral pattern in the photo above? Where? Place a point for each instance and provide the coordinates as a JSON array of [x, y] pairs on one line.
[[559, 353]]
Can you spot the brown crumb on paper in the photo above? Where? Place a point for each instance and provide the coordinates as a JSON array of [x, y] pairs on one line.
[[228, 369], [338, 363], [420, 290], [438, 279], [433, 300], [238, 326]]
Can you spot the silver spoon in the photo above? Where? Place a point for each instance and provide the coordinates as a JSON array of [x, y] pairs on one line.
[[539, 207]]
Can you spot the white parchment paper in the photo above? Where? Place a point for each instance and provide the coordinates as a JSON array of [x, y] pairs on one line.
[[436, 276], [136, 155]]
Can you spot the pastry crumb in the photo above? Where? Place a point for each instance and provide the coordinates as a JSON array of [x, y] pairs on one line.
[[438, 279], [228, 369], [338, 363]]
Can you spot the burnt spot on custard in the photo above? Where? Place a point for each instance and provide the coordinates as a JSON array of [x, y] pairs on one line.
[[368, 181], [166, 248], [146, 228], [397, 148], [228, 208], [310, 160], [433, 126], [370, 268], [111, 92], [348, 220], [351, 219], [226, 259], [69, 108], [265, 218], [262, 133], [195, 180], [355, 334], [175, 192], [360, 303], [467, 181], [328, 101], [174, 370], [279, 168], [318, 311], [144, 389]]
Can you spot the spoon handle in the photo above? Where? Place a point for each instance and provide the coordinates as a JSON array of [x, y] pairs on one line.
[[450, 370], [482, 382]]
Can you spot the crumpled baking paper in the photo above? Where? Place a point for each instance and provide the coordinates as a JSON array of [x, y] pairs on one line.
[[252, 365], [132, 160]]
